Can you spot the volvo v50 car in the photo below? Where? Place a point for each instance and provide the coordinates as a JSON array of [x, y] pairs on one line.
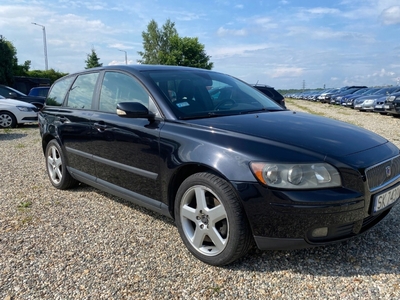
[[228, 164]]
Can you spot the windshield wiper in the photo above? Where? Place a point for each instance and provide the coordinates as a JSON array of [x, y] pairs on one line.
[[210, 115], [264, 109]]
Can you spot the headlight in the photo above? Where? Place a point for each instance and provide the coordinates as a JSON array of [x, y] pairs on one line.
[[391, 98], [24, 108], [296, 176]]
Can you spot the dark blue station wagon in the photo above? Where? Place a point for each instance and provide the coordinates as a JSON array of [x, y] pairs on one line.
[[229, 165]]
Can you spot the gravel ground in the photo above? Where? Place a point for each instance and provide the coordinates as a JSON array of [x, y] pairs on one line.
[[85, 244]]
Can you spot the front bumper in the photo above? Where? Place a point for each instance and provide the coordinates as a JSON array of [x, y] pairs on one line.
[[392, 109], [295, 219]]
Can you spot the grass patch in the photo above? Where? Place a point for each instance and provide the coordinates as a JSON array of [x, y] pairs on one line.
[[27, 220], [24, 205], [20, 146], [6, 130], [307, 109], [215, 289]]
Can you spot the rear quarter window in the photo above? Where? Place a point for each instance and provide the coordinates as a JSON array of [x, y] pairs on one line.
[[58, 91], [81, 94]]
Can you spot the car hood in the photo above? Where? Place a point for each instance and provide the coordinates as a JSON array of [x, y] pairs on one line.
[[314, 133], [11, 102]]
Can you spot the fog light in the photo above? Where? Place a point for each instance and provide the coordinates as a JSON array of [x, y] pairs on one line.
[[320, 232]]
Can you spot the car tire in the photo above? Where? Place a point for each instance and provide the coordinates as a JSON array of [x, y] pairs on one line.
[[56, 167], [7, 120], [211, 220]]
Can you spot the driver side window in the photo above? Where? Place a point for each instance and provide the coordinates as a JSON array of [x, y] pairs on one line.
[[119, 87]]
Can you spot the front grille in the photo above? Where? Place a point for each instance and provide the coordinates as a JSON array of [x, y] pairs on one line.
[[382, 173]]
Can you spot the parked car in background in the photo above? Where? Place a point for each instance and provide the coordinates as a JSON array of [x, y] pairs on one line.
[[380, 105], [351, 98], [271, 93], [11, 93], [392, 104], [14, 112], [227, 163], [342, 90], [40, 91], [346, 99], [367, 103], [337, 98], [323, 97]]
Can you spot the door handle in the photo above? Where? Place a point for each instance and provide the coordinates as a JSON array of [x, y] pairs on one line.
[[100, 126], [63, 119]]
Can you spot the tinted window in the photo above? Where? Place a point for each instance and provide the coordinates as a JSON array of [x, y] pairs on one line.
[[81, 93], [201, 94], [58, 91], [120, 87]]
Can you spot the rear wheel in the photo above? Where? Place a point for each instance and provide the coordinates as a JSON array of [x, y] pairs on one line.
[[7, 120], [211, 220], [56, 167]]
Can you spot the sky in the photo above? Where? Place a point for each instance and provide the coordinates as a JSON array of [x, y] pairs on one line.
[[288, 44]]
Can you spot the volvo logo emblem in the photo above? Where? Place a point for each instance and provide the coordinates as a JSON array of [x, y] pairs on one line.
[[388, 171]]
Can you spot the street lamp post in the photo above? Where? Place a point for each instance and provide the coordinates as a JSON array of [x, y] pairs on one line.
[[126, 56], [44, 45]]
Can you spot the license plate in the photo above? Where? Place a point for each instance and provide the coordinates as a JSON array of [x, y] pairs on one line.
[[378, 106], [387, 107], [386, 198]]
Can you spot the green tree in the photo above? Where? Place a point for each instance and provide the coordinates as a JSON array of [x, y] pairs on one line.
[[51, 74], [8, 58], [22, 70], [156, 42], [165, 47], [92, 60]]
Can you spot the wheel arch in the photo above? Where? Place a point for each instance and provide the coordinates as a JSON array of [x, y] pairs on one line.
[[180, 175], [45, 140]]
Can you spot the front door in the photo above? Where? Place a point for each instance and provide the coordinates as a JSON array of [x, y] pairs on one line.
[[126, 150]]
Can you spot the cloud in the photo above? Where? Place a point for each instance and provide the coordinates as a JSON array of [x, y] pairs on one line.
[[382, 73], [327, 33], [222, 52], [286, 72], [323, 11], [229, 32], [391, 15]]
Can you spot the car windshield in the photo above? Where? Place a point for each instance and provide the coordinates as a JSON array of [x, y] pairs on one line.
[[16, 91], [199, 94]]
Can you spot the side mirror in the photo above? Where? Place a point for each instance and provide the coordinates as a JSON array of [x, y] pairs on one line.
[[12, 95], [132, 110]]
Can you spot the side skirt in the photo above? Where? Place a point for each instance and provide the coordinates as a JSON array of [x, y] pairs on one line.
[[128, 195]]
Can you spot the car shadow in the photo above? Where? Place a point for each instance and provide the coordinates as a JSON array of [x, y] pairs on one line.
[[8, 134], [372, 253], [11, 136]]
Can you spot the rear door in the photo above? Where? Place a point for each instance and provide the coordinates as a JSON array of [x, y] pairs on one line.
[[73, 124], [126, 150]]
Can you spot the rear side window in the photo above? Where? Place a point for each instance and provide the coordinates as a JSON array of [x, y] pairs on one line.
[[58, 91], [81, 93]]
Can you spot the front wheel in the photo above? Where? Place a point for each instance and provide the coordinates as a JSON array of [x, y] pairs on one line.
[[56, 167], [211, 220], [7, 120]]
